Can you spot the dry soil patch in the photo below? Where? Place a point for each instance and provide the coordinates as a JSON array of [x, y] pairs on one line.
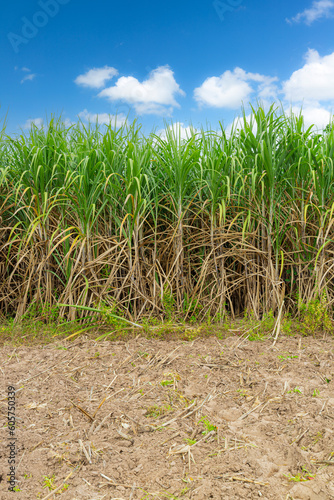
[[219, 419]]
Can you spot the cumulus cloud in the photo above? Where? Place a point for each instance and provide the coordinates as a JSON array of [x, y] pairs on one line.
[[102, 118], [313, 115], [96, 78], [233, 87], [319, 9], [179, 131], [239, 124], [155, 95], [310, 89], [68, 122], [33, 121], [314, 81]]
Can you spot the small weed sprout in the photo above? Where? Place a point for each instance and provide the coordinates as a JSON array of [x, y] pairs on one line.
[[208, 427], [168, 302], [295, 390], [164, 383], [190, 441], [49, 482], [314, 316], [156, 411], [284, 357], [300, 477], [317, 437]]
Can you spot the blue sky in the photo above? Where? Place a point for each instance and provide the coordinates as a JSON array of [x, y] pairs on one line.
[[184, 61]]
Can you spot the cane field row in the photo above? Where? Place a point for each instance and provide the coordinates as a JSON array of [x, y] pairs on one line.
[[109, 221]]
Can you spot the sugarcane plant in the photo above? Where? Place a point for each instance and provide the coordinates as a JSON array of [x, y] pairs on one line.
[[106, 221]]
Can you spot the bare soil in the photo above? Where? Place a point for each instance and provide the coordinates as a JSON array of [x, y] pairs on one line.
[[220, 419]]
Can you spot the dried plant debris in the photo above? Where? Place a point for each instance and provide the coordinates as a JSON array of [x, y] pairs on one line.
[[152, 419]]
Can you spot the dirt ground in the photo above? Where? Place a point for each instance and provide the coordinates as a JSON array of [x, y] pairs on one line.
[[220, 419]]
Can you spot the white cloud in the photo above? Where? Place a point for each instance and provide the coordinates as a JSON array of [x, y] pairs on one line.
[[27, 78], [309, 89], [314, 81], [33, 121], [103, 118], [68, 122], [312, 87], [239, 124], [318, 10], [313, 115], [179, 131], [233, 87], [155, 95], [96, 78], [24, 68]]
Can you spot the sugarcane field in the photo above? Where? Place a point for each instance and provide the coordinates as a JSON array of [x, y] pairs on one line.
[[167, 311]]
